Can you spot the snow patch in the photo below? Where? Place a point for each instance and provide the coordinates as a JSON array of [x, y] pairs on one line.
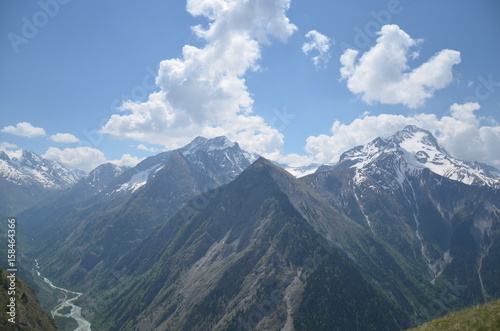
[[139, 179]]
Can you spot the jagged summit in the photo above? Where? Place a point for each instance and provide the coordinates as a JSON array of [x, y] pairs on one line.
[[263, 162], [25, 167], [105, 167], [263, 165], [410, 129], [218, 158], [204, 144], [99, 178], [415, 139], [416, 149]]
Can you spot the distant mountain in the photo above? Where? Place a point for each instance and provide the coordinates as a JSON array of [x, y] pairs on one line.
[[324, 168], [417, 149], [104, 216], [217, 158], [27, 178], [27, 168], [300, 171], [96, 181]]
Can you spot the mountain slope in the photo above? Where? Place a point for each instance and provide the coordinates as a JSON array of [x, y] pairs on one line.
[[404, 173], [243, 261], [446, 227]]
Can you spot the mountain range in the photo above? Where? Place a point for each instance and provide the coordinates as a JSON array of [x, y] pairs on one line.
[[92, 223], [210, 237]]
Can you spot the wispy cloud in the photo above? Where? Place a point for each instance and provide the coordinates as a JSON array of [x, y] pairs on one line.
[[86, 158], [318, 43], [143, 147], [382, 73], [4, 146]]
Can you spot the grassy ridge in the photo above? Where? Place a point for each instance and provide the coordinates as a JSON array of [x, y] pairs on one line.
[[485, 317]]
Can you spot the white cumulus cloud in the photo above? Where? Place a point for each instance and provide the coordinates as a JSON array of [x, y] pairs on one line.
[[127, 160], [462, 133], [5, 146], [204, 91], [86, 158], [64, 138], [24, 129], [382, 73], [318, 43]]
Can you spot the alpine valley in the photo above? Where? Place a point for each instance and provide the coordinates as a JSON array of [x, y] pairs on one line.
[[210, 237]]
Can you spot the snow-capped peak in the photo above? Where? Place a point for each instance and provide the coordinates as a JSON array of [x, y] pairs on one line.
[[207, 145], [419, 149], [24, 167], [201, 153], [415, 139]]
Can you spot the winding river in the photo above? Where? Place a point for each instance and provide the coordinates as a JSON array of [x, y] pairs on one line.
[[69, 298]]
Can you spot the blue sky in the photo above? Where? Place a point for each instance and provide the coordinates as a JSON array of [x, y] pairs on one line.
[[67, 66]]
